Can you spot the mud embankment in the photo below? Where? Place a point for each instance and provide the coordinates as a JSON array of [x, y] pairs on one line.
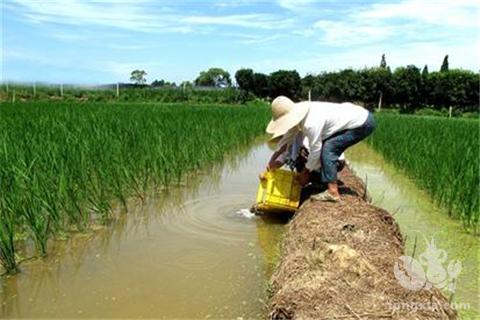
[[337, 263]]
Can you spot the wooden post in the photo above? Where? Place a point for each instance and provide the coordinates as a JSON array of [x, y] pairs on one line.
[[118, 90], [380, 101], [309, 94], [61, 90], [34, 89], [450, 109], [13, 96]]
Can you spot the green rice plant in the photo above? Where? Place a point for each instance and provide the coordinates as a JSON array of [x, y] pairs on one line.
[[440, 154], [7, 232], [63, 164]]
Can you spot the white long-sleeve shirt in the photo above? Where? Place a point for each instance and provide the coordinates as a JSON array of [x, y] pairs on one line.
[[293, 150], [323, 120]]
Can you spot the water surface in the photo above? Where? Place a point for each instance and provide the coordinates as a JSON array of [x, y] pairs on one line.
[[189, 252]]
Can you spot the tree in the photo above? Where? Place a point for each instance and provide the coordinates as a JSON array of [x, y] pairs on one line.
[[138, 77], [308, 83], [425, 72], [260, 85], [286, 83], [444, 67], [158, 83], [426, 88], [186, 84], [214, 77], [245, 79], [407, 83], [381, 79], [383, 62], [455, 88]]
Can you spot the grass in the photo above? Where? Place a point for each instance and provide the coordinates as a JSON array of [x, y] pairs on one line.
[[440, 154], [62, 165]]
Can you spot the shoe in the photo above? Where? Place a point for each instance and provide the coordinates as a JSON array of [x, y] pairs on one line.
[[324, 196]]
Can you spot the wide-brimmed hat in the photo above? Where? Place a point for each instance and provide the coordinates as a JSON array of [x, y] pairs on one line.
[[285, 115]]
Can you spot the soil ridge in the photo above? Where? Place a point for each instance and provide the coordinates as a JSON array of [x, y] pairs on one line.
[[337, 262]]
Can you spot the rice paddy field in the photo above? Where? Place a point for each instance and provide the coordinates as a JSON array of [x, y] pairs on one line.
[[440, 155], [63, 164], [67, 167]]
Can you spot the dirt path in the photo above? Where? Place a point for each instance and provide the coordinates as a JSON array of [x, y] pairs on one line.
[[337, 263]]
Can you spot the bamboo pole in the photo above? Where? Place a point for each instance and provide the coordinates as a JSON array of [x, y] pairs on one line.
[[13, 96], [450, 110], [34, 89], [118, 90], [61, 90], [380, 99], [309, 95]]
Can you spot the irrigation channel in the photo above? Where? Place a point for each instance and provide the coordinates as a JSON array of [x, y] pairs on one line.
[[192, 252]]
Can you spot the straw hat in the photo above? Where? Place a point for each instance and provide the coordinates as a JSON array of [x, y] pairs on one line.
[[285, 115]]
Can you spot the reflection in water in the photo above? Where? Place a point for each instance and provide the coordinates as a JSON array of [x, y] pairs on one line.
[[420, 219], [269, 231], [182, 252]]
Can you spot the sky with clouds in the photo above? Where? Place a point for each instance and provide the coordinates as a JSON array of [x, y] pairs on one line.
[[102, 41]]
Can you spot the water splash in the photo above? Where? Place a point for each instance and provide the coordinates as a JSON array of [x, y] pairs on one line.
[[246, 213]]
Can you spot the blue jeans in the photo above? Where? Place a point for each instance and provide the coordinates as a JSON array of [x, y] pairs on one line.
[[336, 144]]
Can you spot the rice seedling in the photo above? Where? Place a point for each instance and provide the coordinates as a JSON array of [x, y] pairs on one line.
[[63, 164], [440, 154], [7, 231]]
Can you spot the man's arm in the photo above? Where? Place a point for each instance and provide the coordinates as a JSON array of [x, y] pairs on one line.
[[315, 138], [274, 163]]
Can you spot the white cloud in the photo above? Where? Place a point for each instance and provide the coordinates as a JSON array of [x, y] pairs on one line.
[[345, 34], [262, 21], [296, 5], [142, 15], [253, 39], [234, 3], [122, 14], [461, 13], [401, 22]]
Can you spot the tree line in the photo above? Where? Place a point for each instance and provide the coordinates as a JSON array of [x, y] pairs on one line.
[[407, 88]]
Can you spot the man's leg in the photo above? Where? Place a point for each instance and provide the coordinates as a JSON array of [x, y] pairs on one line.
[[334, 146]]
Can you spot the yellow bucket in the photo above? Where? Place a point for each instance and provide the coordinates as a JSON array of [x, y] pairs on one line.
[[278, 191]]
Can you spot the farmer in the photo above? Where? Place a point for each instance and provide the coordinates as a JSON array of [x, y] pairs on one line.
[[330, 129]]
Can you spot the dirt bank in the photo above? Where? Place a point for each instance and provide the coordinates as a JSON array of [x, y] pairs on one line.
[[337, 263]]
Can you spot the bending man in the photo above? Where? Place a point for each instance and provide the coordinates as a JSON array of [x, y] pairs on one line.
[[330, 129]]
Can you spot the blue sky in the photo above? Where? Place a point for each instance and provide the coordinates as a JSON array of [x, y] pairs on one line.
[[100, 41]]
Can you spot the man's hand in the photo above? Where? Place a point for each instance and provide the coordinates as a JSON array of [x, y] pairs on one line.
[[273, 165], [303, 153], [303, 177], [262, 176]]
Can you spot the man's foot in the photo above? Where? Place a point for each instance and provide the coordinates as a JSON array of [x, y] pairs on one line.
[[325, 196]]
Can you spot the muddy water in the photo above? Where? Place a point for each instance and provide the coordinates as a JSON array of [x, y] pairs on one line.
[[189, 252], [422, 220]]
